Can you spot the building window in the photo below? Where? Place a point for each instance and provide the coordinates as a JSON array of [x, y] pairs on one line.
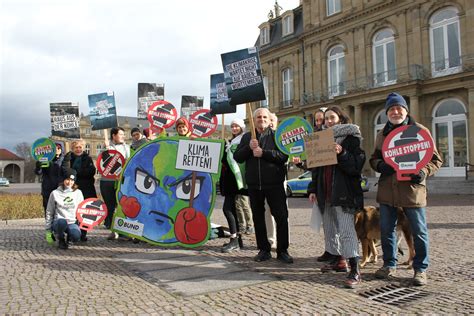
[[287, 78], [333, 6], [98, 148], [379, 122], [336, 71], [88, 149], [384, 58], [264, 35], [264, 103], [445, 44], [88, 131], [287, 24]]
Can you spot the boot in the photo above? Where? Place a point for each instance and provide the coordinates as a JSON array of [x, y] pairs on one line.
[[232, 245], [62, 244], [338, 264], [241, 242], [353, 279], [325, 257]]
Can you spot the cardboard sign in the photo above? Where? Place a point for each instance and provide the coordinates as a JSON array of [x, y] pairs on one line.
[[102, 110], [65, 120], [320, 149], [110, 163], [161, 115], [243, 76], [219, 98], [407, 149], [289, 136], [43, 149], [203, 123], [90, 213], [148, 93], [196, 155]]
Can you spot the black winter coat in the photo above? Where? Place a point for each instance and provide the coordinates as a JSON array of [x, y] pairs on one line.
[[227, 182], [267, 171], [51, 176], [85, 173], [346, 177]]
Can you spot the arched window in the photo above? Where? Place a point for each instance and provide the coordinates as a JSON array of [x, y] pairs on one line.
[[451, 136], [336, 71], [264, 35], [287, 79], [384, 58], [379, 122], [445, 44], [287, 24]]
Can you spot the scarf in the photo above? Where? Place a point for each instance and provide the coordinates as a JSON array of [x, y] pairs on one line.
[[341, 131], [390, 127]]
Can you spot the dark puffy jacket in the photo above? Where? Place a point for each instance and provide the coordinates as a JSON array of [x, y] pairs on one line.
[[51, 176], [227, 182], [264, 172], [346, 176], [85, 173]]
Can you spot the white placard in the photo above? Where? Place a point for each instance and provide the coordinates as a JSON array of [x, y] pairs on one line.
[[196, 155]]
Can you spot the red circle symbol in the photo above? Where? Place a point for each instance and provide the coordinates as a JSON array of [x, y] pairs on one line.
[[90, 213], [161, 114], [203, 124], [110, 164]]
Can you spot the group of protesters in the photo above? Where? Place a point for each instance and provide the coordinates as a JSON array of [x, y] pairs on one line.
[[252, 182]]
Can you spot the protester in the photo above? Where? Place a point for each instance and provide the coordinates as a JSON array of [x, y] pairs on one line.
[[318, 120], [108, 186], [336, 190], [265, 175], [411, 195], [231, 184], [269, 220], [51, 175], [149, 134], [182, 127], [137, 139], [82, 163], [61, 210]]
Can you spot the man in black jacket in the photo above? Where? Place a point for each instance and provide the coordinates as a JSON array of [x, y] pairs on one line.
[[265, 174]]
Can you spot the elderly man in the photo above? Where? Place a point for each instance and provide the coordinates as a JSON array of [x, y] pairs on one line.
[[410, 195], [265, 174]]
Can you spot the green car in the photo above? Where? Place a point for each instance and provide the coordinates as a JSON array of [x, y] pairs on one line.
[[300, 184]]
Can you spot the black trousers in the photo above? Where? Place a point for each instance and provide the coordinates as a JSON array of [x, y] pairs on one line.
[[276, 199], [230, 213], [107, 189]]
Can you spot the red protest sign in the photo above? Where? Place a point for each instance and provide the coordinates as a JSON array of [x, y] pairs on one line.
[[407, 149], [203, 123], [161, 114], [110, 164], [90, 213]]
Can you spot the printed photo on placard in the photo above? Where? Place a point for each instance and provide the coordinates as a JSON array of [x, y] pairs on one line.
[[289, 136], [219, 98], [148, 93], [102, 111], [154, 194], [191, 104], [243, 76], [203, 123], [65, 120], [161, 115]]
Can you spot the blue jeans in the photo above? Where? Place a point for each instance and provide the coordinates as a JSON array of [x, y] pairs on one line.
[[388, 223], [60, 226]]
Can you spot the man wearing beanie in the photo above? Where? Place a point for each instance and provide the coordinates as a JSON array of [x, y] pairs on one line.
[[410, 195]]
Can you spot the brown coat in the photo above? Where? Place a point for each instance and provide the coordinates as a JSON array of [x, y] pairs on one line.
[[402, 193]]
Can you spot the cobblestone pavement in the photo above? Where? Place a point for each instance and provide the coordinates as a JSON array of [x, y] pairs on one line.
[[89, 279]]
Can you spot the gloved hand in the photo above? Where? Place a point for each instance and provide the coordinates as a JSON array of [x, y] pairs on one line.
[[50, 237], [42, 164], [418, 178], [385, 169]]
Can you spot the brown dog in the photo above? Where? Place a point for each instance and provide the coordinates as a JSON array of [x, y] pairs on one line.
[[367, 225]]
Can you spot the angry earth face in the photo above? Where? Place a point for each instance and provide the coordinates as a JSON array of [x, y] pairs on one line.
[[154, 198]]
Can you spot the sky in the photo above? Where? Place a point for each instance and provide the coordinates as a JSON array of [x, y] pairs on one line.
[[62, 51]]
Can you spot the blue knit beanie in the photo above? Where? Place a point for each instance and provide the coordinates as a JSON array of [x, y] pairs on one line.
[[395, 99]]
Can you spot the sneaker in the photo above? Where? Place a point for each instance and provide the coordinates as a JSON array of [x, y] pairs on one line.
[[420, 278], [339, 264], [135, 241], [62, 244], [112, 236], [231, 246], [262, 256], [285, 257], [353, 279], [325, 257], [385, 273]]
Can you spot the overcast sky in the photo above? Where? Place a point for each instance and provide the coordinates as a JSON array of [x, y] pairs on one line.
[[62, 51]]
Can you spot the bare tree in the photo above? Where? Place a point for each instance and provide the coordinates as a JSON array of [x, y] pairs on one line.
[[24, 151]]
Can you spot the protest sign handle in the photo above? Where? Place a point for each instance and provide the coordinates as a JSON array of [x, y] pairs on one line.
[[223, 127], [193, 182], [252, 126], [106, 140]]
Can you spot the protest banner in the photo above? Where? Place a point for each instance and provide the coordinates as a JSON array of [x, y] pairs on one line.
[[65, 120], [158, 203], [219, 98], [43, 150], [243, 76], [289, 136], [319, 148], [102, 110], [110, 163], [407, 149], [90, 213], [161, 115], [203, 123], [148, 93], [191, 104]]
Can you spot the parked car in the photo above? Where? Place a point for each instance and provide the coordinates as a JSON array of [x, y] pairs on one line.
[[4, 182], [299, 185]]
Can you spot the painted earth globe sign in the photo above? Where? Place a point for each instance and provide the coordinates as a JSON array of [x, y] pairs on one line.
[[289, 136], [43, 149]]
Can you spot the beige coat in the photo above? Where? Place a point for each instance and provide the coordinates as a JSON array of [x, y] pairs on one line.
[[402, 193]]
